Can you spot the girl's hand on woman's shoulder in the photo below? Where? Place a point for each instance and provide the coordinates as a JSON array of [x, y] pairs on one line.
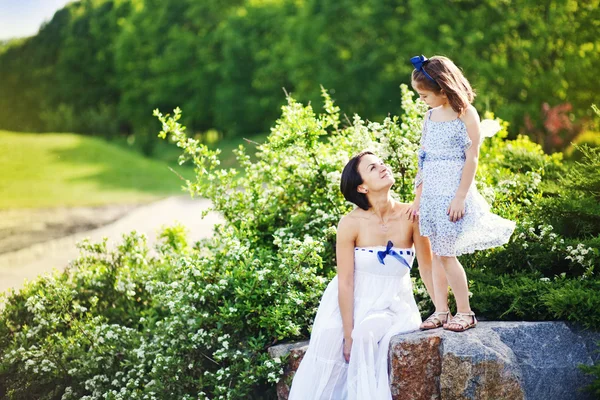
[[412, 211]]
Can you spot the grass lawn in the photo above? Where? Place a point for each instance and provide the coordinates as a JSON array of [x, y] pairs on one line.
[[48, 170]]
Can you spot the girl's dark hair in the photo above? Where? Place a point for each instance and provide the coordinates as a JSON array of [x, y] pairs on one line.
[[351, 179], [449, 78]]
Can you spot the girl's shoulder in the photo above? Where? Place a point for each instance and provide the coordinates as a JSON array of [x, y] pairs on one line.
[[470, 115]]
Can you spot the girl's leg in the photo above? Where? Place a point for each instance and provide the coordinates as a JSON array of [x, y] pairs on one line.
[[458, 282], [439, 295], [426, 273], [440, 285]]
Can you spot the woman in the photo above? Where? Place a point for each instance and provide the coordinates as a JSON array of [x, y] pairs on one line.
[[371, 298]]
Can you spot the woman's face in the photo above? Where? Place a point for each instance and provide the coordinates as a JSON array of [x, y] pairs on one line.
[[374, 173], [430, 98]]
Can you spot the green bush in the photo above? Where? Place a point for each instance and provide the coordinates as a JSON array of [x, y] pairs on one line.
[[199, 319], [594, 371], [574, 207], [533, 297], [194, 321]]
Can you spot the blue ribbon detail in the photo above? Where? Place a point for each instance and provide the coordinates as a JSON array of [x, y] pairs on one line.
[[421, 158], [391, 252], [418, 62]]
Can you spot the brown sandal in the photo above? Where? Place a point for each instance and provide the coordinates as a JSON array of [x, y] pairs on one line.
[[461, 319], [435, 321]]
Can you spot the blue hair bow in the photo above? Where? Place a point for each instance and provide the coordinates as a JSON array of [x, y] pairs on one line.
[[418, 62], [389, 251]]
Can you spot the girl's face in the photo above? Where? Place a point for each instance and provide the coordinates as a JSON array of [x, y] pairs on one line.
[[430, 98], [374, 173]]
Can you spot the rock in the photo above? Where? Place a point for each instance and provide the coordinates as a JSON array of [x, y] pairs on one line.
[[496, 360], [470, 365], [549, 354], [416, 366], [296, 354]]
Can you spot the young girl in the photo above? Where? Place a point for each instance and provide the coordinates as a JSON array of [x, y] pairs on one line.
[[370, 299], [451, 211]]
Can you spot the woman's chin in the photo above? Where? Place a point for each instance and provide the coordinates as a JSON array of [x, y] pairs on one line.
[[389, 181]]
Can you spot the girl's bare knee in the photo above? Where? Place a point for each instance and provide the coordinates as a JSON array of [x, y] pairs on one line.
[[446, 261]]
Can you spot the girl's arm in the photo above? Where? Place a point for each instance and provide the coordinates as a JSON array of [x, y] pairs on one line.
[[421, 154], [344, 248], [414, 207], [457, 207], [413, 210]]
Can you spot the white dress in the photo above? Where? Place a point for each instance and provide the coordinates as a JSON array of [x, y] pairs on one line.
[[384, 305]]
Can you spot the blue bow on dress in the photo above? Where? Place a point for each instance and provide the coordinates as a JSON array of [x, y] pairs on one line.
[[389, 251]]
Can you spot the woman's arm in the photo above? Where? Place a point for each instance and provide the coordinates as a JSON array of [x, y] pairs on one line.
[[456, 210], [344, 248]]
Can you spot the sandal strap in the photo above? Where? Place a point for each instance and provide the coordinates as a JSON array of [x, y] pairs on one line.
[[461, 319], [435, 317]]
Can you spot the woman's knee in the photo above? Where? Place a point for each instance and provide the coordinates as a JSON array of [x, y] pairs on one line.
[[372, 328]]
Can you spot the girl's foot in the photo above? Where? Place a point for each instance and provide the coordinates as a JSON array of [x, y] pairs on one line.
[[461, 322], [435, 320]]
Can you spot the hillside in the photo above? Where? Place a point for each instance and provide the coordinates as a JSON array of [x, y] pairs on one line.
[[63, 169]]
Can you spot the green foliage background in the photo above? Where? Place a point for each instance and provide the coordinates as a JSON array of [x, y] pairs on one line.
[[195, 320], [99, 65]]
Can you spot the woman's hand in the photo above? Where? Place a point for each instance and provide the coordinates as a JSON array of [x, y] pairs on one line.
[[412, 212], [456, 210], [347, 348]]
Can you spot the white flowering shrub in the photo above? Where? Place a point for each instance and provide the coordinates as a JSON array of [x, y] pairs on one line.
[[194, 321]]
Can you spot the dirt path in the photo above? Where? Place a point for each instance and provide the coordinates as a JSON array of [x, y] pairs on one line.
[[22, 228], [41, 258]]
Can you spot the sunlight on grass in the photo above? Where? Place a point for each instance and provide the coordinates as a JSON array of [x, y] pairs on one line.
[[47, 170]]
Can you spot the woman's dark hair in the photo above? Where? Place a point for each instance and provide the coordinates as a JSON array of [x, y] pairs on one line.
[[351, 179], [449, 78]]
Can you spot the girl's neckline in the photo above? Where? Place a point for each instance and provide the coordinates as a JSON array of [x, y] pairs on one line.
[[441, 122]]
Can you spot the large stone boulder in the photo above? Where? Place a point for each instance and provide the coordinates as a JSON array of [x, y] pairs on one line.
[[496, 360]]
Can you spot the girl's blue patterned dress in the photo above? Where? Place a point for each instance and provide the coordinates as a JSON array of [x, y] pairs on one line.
[[441, 162]]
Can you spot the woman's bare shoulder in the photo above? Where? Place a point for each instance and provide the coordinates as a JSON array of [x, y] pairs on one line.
[[402, 207], [353, 217]]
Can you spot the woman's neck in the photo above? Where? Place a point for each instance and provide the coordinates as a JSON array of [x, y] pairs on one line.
[[382, 206]]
